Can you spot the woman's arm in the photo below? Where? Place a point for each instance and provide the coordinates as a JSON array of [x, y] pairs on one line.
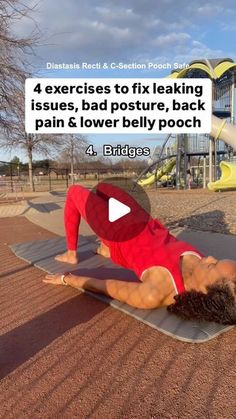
[[140, 295]]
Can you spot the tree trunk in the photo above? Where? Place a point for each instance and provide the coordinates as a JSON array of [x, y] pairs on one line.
[[30, 158], [72, 163]]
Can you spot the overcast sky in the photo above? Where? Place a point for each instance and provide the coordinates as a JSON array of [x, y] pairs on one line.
[[127, 31]]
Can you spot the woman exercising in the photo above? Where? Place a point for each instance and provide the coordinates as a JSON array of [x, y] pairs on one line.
[[172, 273]]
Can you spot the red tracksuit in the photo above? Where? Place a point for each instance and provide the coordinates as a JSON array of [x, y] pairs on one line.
[[153, 246]]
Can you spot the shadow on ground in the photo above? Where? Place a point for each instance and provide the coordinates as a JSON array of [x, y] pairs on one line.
[[44, 207], [23, 342], [58, 193], [213, 221]]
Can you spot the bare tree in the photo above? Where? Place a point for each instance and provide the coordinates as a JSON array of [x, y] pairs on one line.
[[73, 151], [14, 67], [45, 145], [16, 138]]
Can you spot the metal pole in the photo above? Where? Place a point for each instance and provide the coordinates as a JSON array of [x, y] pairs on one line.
[[214, 157], [178, 161], [185, 139], [232, 100], [210, 160], [50, 183], [216, 160], [67, 182], [72, 162], [11, 177], [204, 172]]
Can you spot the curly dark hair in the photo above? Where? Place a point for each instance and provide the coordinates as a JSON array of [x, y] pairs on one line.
[[217, 305]]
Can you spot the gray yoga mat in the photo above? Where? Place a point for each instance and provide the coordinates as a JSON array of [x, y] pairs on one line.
[[42, 253]]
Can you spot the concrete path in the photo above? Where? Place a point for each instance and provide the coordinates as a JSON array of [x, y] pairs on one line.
[[11, 210], [45, 211], [48, 213]]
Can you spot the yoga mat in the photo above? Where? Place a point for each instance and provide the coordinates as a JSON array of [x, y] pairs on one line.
[[41, 254]]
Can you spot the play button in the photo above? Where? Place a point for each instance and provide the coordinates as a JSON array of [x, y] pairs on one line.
[[117, 210]]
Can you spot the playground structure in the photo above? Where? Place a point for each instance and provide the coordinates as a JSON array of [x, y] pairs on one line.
[[209, 147], [227, 179], [158, 174]]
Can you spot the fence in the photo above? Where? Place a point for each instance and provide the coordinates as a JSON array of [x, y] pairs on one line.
[[11, 190], [15, 179]]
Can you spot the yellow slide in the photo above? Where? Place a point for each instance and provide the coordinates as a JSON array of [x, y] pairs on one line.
[[225, 131], [166, 168], [227, 179], [222, 130]]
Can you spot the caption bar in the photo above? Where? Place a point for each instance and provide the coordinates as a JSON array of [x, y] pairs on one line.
[[118, 106]]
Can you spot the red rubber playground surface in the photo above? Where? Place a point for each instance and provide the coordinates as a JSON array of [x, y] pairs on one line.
[[67, 355]]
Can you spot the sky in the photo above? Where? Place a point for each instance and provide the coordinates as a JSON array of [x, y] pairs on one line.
[[129, 31]]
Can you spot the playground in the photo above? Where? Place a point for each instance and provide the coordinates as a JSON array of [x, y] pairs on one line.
[[216, 165]]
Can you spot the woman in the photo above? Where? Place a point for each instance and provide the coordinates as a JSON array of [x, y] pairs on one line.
[[172, 273]]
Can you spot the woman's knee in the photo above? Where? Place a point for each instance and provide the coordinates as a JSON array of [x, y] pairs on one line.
[[75, 190], [72, 189]]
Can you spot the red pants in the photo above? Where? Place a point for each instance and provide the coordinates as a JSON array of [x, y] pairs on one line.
[[76, 206]]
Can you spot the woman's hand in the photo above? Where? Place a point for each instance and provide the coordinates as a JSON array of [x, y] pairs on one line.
[[65, 279], [53, 279]]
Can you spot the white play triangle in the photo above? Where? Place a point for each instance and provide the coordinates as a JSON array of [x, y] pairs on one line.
[[116, 210]]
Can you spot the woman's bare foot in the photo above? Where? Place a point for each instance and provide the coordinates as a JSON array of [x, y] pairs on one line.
[[68, 257], [103, 250]]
